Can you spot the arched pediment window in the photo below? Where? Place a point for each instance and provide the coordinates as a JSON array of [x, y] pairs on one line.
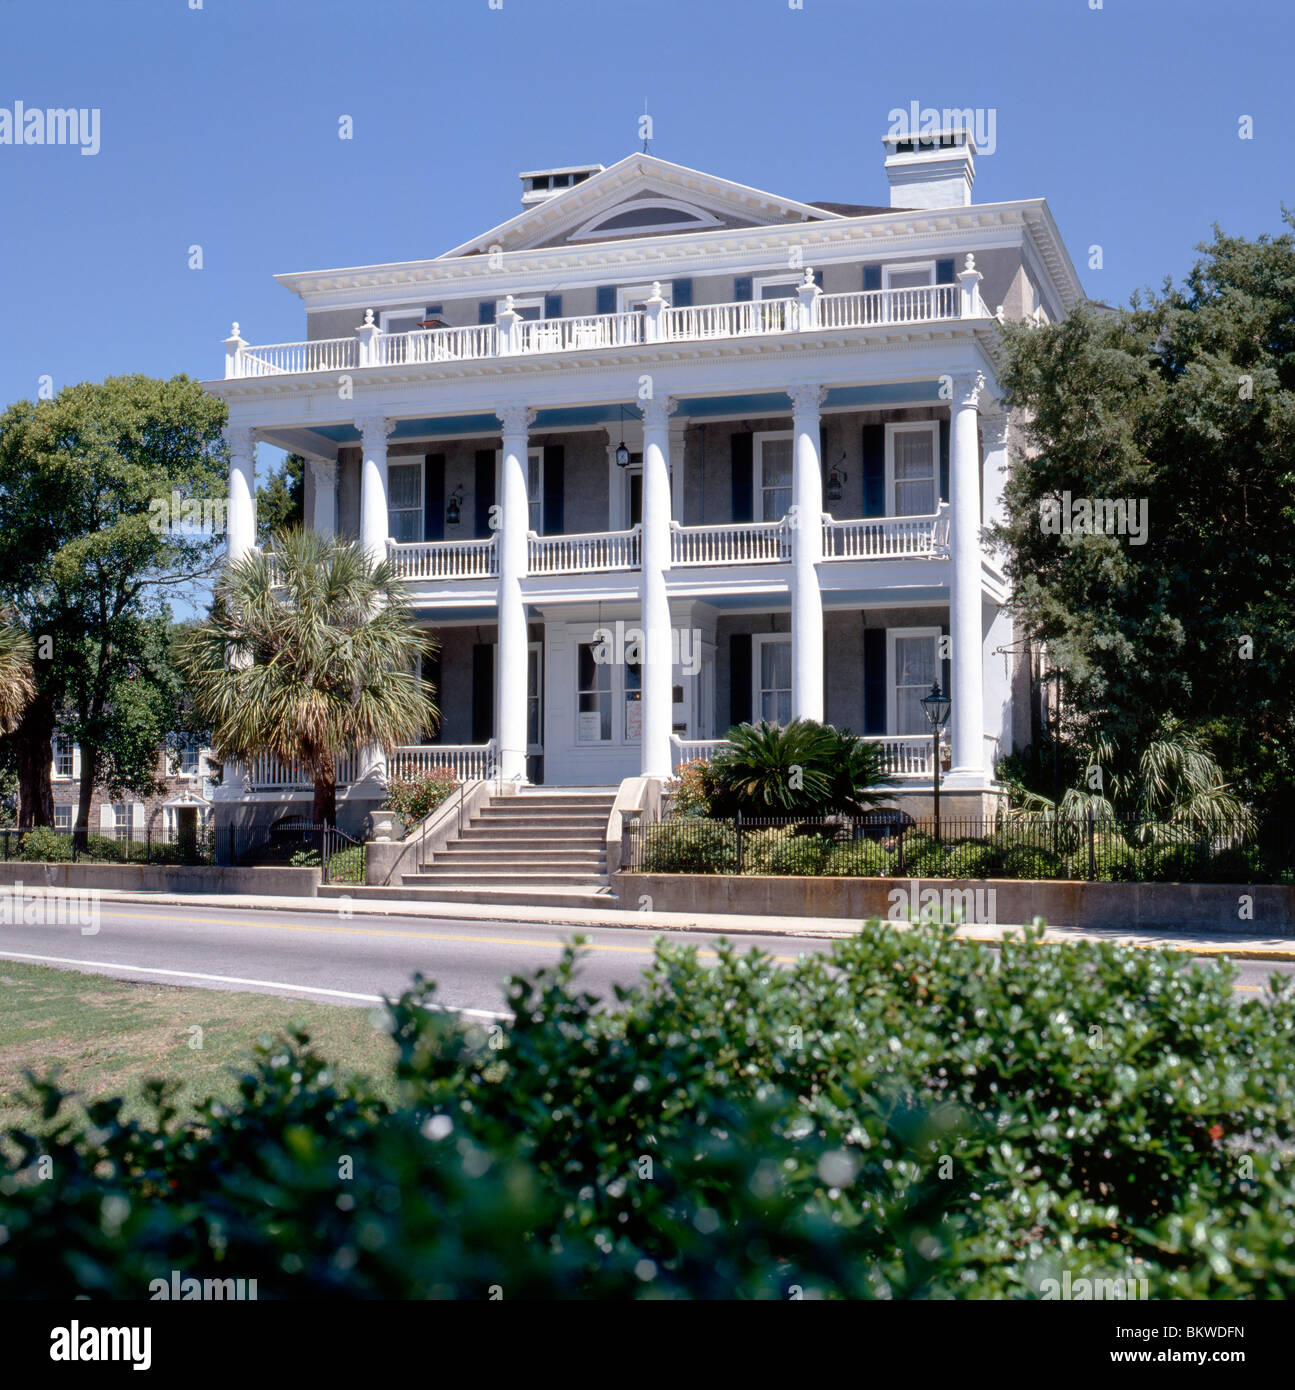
[[646, 215]]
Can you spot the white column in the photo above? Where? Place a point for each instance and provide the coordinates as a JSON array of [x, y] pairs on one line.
[[806, 519], [994, 429], [512, 649], [374, 523], [966, 719], [654, 750], [241, 520], [323, 483]]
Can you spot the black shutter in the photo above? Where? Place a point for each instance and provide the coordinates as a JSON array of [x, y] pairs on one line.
[[874, 680], [944, 662], [944, 272], [743, 452], [739, 672], [434, 497], [485, 311], [554, 492], [606, 299], [432, 675], [818, 278], [874, 470], [872, 277], [742, 287], [944, 460], [681, 294], [483, 491], [483, 692], [552, 306]]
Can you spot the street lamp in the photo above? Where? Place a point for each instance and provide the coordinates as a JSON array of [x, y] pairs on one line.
[[936, 708]]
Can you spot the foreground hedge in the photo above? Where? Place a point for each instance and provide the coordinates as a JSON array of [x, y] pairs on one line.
[[909, 1117]]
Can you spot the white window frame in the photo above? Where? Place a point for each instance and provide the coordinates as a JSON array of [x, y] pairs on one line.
[[59, 741], [892, 670], [405, 461], [760, 281], [121, 821], [757, 468], [628, 295], [522, 301], [907, 268], [67, 812], [612, 683], [931, 427], [759, 640], [385, 317]]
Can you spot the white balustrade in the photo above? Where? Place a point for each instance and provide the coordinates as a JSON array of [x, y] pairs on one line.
[[866, 538], [868, 308], [468, 761], [906, 755], [467, 559], [585, 553], [730, 543], [430, 345], [745, 319], [321, 355], [587, 331], [269, 773]]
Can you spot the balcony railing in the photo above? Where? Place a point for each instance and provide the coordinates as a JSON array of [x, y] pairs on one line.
[[469, 761], [468, 559], [370, 347], [730, 543], [871, 538], [906, 755], [268, 773], [583, 554]]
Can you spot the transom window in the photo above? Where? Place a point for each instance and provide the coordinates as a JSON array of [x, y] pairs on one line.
[[771, 676], [405, 500], [915, 666], [912, 468], [773, 464]]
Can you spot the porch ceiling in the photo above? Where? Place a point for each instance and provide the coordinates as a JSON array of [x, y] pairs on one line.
[[590, 416]]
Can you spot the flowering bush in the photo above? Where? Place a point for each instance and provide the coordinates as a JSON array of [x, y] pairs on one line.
[[691, 789], [412, 798]]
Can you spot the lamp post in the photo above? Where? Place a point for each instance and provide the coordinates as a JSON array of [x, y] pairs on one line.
[[936, 708]]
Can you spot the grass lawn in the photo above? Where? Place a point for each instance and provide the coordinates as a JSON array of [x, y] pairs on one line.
[[109, 1036]]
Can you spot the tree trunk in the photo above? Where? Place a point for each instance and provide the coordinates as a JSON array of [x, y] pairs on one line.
[[89, 775], [325, 808], [34, 754]]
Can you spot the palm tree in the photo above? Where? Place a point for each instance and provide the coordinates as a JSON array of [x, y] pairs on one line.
[[17, 674], [308, 652]]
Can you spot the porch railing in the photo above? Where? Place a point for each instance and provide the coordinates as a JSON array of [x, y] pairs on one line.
[[321, 355], [583, 553], [906, 755], [730, 543], [470, 761], [587, 331], [468, 559], [744, 319], [870, 538], [268, 773], [429, 345], [868, 308]]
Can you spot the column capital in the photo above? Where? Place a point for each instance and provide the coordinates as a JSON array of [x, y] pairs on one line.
[[516, 418], [374, 429], [325, 470], [807, 397], [656, 413], [241, 440], [968, 387]]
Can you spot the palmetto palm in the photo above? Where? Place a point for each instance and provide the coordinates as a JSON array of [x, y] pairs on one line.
[[309, 652], [17, 676]]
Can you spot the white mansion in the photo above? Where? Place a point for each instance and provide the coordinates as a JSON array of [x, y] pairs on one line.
[[663, 452]]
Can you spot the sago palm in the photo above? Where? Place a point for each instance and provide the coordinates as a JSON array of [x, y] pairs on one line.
[[308, 653], [17, 675]]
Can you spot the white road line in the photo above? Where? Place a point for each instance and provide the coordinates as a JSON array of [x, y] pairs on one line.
[[238, 980]]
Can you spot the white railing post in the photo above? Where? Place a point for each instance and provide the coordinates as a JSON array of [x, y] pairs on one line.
[[653, 307], [367, 335], [969, 278], [234, 346], [808, 295], [506, 322]]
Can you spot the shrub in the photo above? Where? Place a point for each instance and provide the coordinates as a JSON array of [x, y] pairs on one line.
[[305, 859], [44, 845], [1115, 859], [860, 859], [413, 798], [1181, 863], [780, 850], [795, 1120], [102, 848], [347, 865], [693, 788], [690, 847]]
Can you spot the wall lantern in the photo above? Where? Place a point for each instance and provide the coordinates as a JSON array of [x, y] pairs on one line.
[[453, 508], [622, 452], [836, 480]]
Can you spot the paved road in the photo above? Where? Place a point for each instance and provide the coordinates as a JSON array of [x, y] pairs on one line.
[[356, 961]]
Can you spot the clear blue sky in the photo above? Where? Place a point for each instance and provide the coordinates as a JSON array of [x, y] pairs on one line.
[[219, 128]]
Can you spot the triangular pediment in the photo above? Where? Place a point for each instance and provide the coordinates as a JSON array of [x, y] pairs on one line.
[[642, 196]]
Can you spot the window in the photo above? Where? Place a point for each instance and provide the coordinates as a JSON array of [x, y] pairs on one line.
[[405, 500], [633, 297], [772, 475], [121, 820], [912, 479], [63, 818], [593, 696], [777, 286], [524, 308], [659, 215], [633, 702], [189, 761], [534, 700], [771, 677], [915, 275], [62, 756], [915, 662]]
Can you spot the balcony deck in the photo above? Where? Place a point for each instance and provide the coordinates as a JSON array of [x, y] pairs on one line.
[[828, 313]]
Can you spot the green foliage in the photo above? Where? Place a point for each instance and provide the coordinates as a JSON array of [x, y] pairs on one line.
[[415, 797], [780, 850], [1185, 401], [347, 865], [909, 1116], [281, 503], [305, 859], [17, 676], [803, 768], [690, 847], [692, 789], [861, 859], [44, 846]]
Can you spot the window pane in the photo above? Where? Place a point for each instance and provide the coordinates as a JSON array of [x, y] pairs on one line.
[[783, 291], [585, 667], [775, 665], [909, 279], [914, 456], [404, 486], [916, 667], [775, 478]]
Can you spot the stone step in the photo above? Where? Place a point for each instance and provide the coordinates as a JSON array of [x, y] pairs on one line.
[[543, 815], [448, 895], [468, 856], [568, 799], [523, 834]]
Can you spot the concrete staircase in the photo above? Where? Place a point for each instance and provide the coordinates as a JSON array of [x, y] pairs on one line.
[[540, 847]]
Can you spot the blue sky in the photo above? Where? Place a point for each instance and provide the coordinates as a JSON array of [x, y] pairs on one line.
[[219, 129]]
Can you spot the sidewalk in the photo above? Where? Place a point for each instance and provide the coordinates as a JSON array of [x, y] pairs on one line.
[[720, 924]]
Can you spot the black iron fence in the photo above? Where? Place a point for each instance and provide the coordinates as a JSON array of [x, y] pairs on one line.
[[50, 844], [299, 845], [894, 845]]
